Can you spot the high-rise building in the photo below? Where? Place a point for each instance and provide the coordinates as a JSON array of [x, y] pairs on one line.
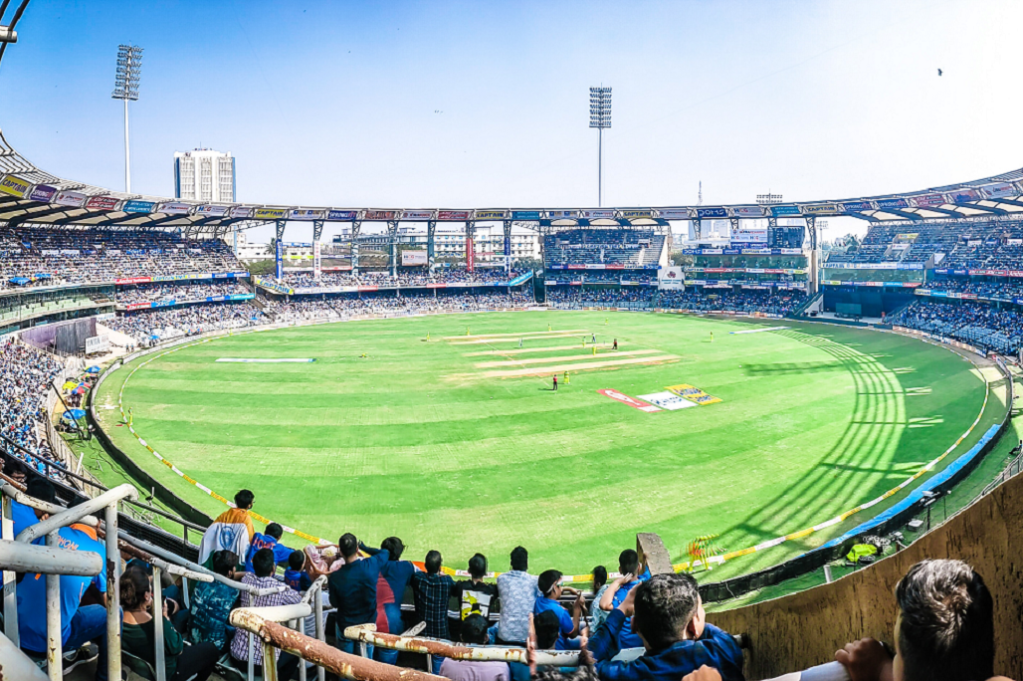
[[204, 175]]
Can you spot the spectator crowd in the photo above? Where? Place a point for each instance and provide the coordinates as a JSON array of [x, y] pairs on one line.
[[978, 324], [697, 299], [147, 326], [152, 293], [405, 277]]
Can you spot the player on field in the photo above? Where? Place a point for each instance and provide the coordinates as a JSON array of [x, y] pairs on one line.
[[555, 388], [615, 345]]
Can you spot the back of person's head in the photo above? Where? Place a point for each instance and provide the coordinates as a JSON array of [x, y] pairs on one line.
[[664, 606], [946, 623], [15, 469], [474, 629], [134, 587], [478, 566], [519, 559], [296, 560], [348, 545], [433, 562], [547, 629], [224, 562], [42, 489], [263, 563], [547, 581], [274, 530], [628, 562], [394, 547], [599, 577], [244, 499]]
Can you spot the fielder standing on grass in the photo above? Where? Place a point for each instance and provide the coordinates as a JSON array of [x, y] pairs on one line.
[[555, 388]]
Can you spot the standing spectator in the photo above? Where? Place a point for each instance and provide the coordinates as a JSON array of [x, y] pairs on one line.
[[231, 531], [550, 588], [597, 615], [395, 576], [474, 633], [138, 635], [212, 602], [432, 590], [517, 591], [473, 594], [295, 576], [23, 516], [353, 590], [268, 540], [670, 620], [262, 578]]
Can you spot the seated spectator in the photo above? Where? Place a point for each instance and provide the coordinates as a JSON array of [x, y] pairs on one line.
[[550, 588], [295, 576], [545, 635], [268, 540], [944, 631], [231, 531], [395, 576], [432, 590], [322, 559], [474, 633], [598, 615], [262, 578], [79, 623], [23, 516], [212, 602], [670, 621], [138, 635], [628, 567], [353, 590], [517, 591]]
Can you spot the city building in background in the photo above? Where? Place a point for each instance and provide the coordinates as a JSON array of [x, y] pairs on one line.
[[204, 175]]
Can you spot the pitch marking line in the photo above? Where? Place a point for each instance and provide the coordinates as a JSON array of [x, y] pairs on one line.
[[266, 361], [527, 334], [575, 366], [516, 339], [559, 358], [546, 349]]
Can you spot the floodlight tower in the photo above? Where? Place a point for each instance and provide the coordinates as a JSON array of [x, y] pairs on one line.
[[126, 88], [600, 118]]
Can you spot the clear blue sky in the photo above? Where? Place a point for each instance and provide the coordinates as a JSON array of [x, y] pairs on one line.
[[475, 104]]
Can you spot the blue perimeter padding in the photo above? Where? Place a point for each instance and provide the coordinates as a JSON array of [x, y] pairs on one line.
[[917, 494]]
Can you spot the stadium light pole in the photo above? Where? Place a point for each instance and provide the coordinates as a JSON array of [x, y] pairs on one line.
[[126, 88], [600, 118]]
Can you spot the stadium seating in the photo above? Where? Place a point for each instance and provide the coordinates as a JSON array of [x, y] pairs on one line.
[[404, 277], [626, 248], [696, 299], [974, 323]]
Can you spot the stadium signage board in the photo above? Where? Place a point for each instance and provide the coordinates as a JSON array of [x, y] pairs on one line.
[[454, 215], [857, 206], [964, 196], [631, 401], [748, 212], [637, 214], [999, 190], [175, 208], [822, 209], [43, 192], [344, 215], [102, 202], [526, 215], [212, 211], [670, 278], [892, 203], [133, 280], [411, 258], [711, 213], [417, 215], [380, 215], [15, 186], [929, 200], [305, 214], [270, 213], [673, 214], [562, 214], [138, 207], [491, 215], [781, 211], [241, 212], [597, 214]]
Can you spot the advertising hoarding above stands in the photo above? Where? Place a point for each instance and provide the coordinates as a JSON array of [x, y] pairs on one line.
[[380, 215], [270, 213], [929, 200], [344, 215], [964, 196], [75, 199], [711, 213], [857, 206], [241, 212], [15, 186], [597, 214], [456, 215], [748, 212], [526, 215], [43, 192], [101, 202], [562, 214], [305, 214], [417, 215], [637, 213], [673, 214], [491, 215], [822, 209], [782, 211], [999, 190], [892, 203], [211, 211], [138, 207], [175, 208]]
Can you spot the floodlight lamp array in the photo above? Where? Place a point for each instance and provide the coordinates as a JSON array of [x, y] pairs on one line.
[[129, 72], [600, 107]]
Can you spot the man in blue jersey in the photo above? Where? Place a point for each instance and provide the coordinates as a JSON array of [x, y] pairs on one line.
[[550, 588], [629, 567], [270, 539], [78, 624], [22, 515]]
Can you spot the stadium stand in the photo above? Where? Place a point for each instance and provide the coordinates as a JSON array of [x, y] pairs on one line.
[[625, 249], [975, 323], [149, 326], [441, 275]]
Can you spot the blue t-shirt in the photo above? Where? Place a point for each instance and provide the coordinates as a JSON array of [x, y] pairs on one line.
[[353, 590], [564, 619], [626, 637], [265, 541], [23, 516], [32, 590], [297, 579]]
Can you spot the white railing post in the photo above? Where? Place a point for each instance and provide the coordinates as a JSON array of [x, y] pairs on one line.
[[114, 595], [10, 585], [161, 665], [252, 655], [54, 644], [321, 673]]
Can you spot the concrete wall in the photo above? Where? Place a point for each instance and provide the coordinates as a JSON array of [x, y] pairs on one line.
[[805, 629]]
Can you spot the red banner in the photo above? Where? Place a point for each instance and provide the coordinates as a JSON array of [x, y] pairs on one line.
[[470, 254], [631, 401], [133, 280]]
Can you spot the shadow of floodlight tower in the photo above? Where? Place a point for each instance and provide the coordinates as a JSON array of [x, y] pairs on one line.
[[126, 88], [600, 118]]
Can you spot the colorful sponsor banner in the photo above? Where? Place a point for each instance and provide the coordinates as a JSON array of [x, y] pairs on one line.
[[317, 260], [597, 214], [747, 211], [417, 215], [241, 211], [562, 214], [413, 258], [101, 203], [821, 209], [455, 215], [138, 206], [132, 280], [279, 259], [748, 236], [996, 273], [670, 278], [637, 213], [964, 195], [711, 213], [857, 206], [491, 215], [380, 215], [631, 401], [929, 200], [999, 190], [667, 400], [673, 213], [874, 266], [693, 394], [470, 254], [305, 214], [270, 213], [507, 249], [781, 211], [15, 186], [273, 286], [74, 199], [211, 211], [175, 208], [43, 192], [521, 279], [882, 204], [342, 215], [525, 215]]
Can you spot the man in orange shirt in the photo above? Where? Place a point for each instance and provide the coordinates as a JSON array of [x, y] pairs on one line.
[[240, 514]]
